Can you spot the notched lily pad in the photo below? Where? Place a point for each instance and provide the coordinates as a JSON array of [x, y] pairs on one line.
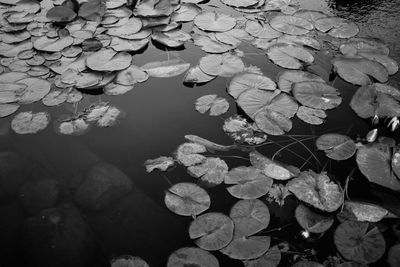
[[212, 171], [187, 154], [225, 65], [362, 212], [312, 221], [273, 168], [212, 103], [336, 146]]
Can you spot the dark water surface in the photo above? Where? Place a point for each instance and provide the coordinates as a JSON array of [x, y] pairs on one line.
[[159, 113]]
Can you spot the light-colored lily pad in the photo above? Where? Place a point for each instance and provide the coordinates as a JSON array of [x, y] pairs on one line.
[[166, 69], [336, 146], [216, 105], [29, 122]]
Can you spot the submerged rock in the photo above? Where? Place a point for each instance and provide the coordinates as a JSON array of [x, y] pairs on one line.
[[103, 185]]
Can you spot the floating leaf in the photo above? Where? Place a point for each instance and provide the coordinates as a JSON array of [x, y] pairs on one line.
[[132, 75], [304, 263], [153, 8], [270, 259], [127, 260], [240, 3], [278, 193], [47, 44], [311, 221], [131, 26], [358, 70], [289, 56], [356, 243], [299, 40], [8, 109], [362, 212], [192, 257], [166, 69], [212, 171], [187, 154], [211, 46], [291, 25], [354, 46], [119, 44], [108, 60], [337, 27], [241, 131], [247, 183], [317, 190], [390, 64], [187, 12], [261, 30], [336, 146], [225, 65], [212, 21], [393, 256], [72, 126], [160, 163], [247, 248], [216, 105], [252, 101], [187, 199], [196, 75], [29, 122], [374, 161], [55, 98], [311, 115], [93, 10], [12, 50], [61, 14], [211, 231], [211, 146], [272, 168], [247, 81], [316, 95]]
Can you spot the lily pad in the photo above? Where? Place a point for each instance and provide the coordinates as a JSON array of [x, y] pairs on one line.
[[393, 256], [8, 109], [247, 248], [271, 258], [187, 199], [362, 212], [247, 81], [241, 131], [311, 115], [29, 122], [187, 154], [211, 231], [160, 163], [240, 3], [216, 22], [272, 168], [210, 45], [225, 65], [131, 76], [312, 221], [166, 69], [390, 64], [61, 14], [72, 126], [316, 95], [212, 171], [277, 194], [128, 260], [196, 75], [336, 146], [358, 70], [216, 105], [337, 27], [304, 263], [273, 122], [354, 46], [356, 243], [289, 56], [261, 30], [247, 183], [108, 60], [187, 12], [317, 190], [192, 257], [291, 24], [131, 26], [374, 161], [47, 44]]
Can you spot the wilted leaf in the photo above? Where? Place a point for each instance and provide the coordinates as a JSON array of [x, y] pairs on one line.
[[187, 199], [362, 212], [216, 105], [166, 69], [241, 131], [317, 190], [187, 154], [160, 163], [211, 231], [336, 146], [356, 243], [192, 257], [29, 122], [312, 221], [272, 168], [278, 193]]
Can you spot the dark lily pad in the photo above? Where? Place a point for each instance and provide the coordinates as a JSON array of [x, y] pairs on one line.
[[356, 243], [336, 146], [61, 14], [312, 221], [271, 258], [128, 260], [393, 256]]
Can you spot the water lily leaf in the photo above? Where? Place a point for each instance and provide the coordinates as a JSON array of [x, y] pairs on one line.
[[312, 221], [216, 22], [119, 44], [187, 154], [128, 260], [173, 38], [300, 41], [108, 60], [72, 126], [166, 69], [356, 243], [228, 38], [261, 30], [240, 3], [362, 212], [316, 95], [247, 81], [81, 79], [211, 46], [17, 37], [247, 183], [374, 161], [35, 90], [225, 65], [153, 8], [310, 15], [272, 168], [55, 98], [196, 75], [93, 10], [317, 190], [187, 12], [390, 64], [273, 122], [29, 122], [47, 44], [270, 259], [212, 171], [289, 56], [12, 50], [252, 101], [132, 75], [291, 24], [8, 109], [187, 199], [247, 248], [337, 27], [277, 194], [358, 70], [241, 131], [311, 115], [354, 46], [192, 256], [250, 216], [211, 231], [393, 256], [160, 163], [304, 263], [336, 146], [61, 14], [287, 78], [216, 105], [131, 26]]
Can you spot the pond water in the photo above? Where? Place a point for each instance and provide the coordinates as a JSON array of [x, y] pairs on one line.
[[158, 113]]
